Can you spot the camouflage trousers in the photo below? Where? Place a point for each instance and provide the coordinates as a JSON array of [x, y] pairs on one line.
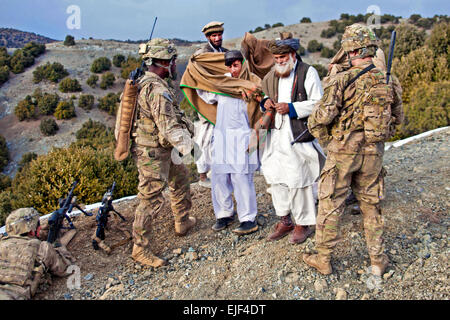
[[156, 172], [365, 175]]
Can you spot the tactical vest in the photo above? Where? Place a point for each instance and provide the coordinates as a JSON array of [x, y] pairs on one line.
[[366, 107], [17, 260], [145, 130]]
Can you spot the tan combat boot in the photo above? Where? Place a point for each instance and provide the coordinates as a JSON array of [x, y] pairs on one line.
[[181, 228], [146, 258], [379, 265], [319, 262]]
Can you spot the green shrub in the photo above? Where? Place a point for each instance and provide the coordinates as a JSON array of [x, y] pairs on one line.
[[96, 135], [26, 159], [4, 74], [20, 60], [278, 24], [301, 50], [414, 18], [109, 103], [50, 176], [328, 33], [327, 52], [48, 127], [428, 109], [5, 182], [118, 59], [107, 80], [86, 102], [131, 64], [321, 70], [69, 85], [314, 46], [337, 45], [52, 72], [47, 103], [439, 40], [69, 41], [25, 109], [4, 153], [65, 110], [408, 39], [101, 64], [5, 58], [305, 20], [34, 49], [5, 205], [258, 29], [92, 81]]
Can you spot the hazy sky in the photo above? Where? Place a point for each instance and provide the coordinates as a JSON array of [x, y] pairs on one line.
[[133, 19]]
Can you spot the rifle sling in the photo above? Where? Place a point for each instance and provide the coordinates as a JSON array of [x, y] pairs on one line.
[[365, 70]]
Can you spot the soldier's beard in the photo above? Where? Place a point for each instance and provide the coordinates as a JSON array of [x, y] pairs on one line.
[[283, 70]]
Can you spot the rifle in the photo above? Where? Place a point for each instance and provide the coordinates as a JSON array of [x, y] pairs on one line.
[[102, 220], [57, 217], [138, 72], [391, 55]]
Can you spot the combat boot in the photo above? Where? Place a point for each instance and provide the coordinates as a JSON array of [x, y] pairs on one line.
[[146, 258], [182, 228], [379, 265], [319, 262]]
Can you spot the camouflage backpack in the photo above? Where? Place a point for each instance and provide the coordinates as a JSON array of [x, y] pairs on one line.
[[377, 112]]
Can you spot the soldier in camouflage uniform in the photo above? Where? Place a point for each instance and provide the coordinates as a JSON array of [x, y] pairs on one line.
[[160, 131], [24, 258], [353, 120]]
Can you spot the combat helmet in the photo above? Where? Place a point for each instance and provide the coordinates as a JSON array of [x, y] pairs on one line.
[[157, 48], [22, 221], [358, 36]]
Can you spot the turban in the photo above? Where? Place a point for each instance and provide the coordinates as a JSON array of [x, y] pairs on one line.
[[284, 46], [212, 27]]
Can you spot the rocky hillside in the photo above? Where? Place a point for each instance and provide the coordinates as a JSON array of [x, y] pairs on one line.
[[208, 265], [12, 38]]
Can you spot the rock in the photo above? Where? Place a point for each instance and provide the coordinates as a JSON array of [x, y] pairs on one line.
[[365, 297], [389, 274], [274, 295], [361, 272], [67, 296], [177, 251], [112, 291], [191, 256], [191, 249], [341, 294], [292, 277], [131, 282], [89, 277], [320, 285]]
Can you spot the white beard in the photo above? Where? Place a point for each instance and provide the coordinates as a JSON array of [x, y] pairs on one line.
[[283, 70]]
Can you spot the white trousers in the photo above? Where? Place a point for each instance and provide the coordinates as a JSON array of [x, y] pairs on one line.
[[222, 187], [203, 134], [299, 201]]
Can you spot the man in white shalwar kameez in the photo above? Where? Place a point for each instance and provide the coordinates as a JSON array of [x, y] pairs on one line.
[[292, 88], [232, 168], [203, 132]]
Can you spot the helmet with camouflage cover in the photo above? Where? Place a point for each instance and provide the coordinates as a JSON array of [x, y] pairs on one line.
[[358, 36], [22, 221], [158, 49]]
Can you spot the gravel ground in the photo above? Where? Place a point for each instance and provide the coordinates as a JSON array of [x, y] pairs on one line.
[[208, 265]]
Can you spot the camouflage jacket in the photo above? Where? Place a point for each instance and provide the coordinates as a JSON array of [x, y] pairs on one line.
[[337, 120], [23, 262], [159, 120]]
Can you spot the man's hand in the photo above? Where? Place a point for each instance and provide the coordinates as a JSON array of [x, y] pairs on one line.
[[282, 108], [269, 104]]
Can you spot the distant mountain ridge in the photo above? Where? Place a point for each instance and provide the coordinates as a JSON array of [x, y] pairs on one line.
[[13, 38]]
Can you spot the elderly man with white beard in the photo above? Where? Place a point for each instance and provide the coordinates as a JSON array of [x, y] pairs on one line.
[[290, 157]]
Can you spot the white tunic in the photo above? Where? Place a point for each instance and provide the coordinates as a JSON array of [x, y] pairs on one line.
[[231, 135], [296, 166]]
